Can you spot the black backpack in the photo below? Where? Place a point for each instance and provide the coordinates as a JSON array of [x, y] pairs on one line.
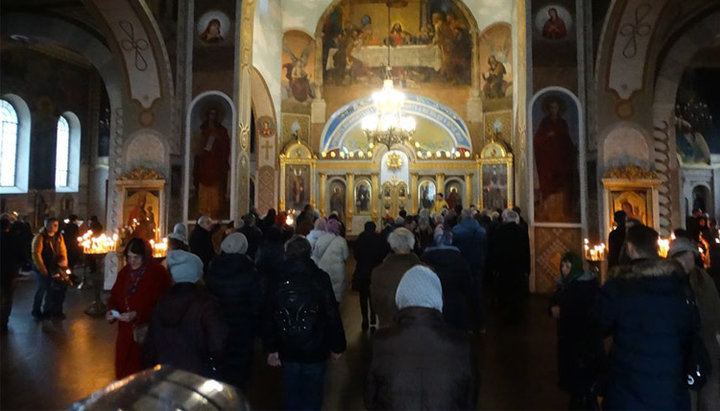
[[297, 305]]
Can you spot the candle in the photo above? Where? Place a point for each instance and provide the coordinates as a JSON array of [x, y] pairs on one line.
[[160, 248], [663, 247], [594, 252], [101, 244]]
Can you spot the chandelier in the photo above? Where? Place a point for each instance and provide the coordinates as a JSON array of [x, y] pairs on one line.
[[387, 125]]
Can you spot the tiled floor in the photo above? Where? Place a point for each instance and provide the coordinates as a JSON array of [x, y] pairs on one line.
[[46, 366]]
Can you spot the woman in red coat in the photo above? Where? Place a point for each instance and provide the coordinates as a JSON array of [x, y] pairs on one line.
[[138, 287]]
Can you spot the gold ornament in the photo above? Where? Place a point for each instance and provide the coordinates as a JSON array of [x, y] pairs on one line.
[[394, 161]]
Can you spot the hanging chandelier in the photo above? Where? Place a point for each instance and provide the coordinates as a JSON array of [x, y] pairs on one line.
[[387, 125]]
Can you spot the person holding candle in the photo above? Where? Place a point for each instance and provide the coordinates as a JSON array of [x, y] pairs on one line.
[[139, 286]]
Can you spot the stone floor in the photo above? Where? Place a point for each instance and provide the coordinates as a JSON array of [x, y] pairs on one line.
[[48, 366]]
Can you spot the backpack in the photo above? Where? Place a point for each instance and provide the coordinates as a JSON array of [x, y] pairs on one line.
[[297, 305]]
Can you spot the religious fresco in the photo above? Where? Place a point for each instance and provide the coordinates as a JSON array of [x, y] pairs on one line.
[[494, 186], [453, 194], [556, 156], [298, 65], [213, 55], [363, 197], [141, 209], [337, 199], [295, 127], [697, 111], [495, 62], [297, 186], [554, 44], [209, 156], [429, 42], [213, 28], [426, 195], [633, 203]]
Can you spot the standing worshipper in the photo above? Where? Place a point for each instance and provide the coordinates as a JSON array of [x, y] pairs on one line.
[[510, 261], [270, 256], [319, 230], [201, 243], [10, 260], [139, 286], [253, 234], [234, 281], [330, 253], [369, 252], [580, 351], [187, 330], [49, 255], [616, 239], [457, 284], [177, 240], [643, 306], [303, 327], [471, 239], [420, 363], [385, 278], [70, 235], [685, 252]]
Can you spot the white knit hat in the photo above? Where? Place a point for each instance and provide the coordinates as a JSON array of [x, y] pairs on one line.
[[419, 287], [184, 267], [179, 233], [235, 243]]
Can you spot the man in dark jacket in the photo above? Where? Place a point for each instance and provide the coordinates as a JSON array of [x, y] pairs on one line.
[[643, 307], [386, 277], [302, 326], [70, 235], [253, 234], [187, 330], [616, 239], [457, 285], [49, 255], [369, 252], [510, 261], [9, 264], [233, 280], [471, 239], [201, 241], [420, 363]]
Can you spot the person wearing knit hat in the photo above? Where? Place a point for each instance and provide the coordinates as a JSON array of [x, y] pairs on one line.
[[419, 287], [235, 243], [420, 362], [179, 233], [185, 267], [187, 330], [682, 244]]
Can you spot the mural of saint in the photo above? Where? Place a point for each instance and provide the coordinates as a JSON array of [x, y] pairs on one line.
[[337, 200], [427, 194], [495, 84], [297, 185], [140, 214], [362, 197], [213, 32], [494, 190], [299, 84], [453, 197], [211, 165], [556, 161], [554, 27]]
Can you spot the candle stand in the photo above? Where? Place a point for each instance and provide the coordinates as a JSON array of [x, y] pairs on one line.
[[97, 308]]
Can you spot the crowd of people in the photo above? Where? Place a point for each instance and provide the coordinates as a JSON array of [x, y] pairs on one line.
[[422, 281]]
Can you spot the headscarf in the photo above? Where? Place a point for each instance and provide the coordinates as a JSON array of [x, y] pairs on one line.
[[320, 224], [235, 243], [333, 226], [576, 267], [419, 287]]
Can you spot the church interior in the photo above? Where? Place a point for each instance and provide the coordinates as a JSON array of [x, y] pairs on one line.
[[149, 113]]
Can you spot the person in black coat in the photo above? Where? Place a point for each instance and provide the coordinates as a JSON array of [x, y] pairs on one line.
[[253, 234], [187, 330], [200, 240], [234, 282], [616, 239], [580, 347], [270, 255], [643, 307], [10, 261], [302, 326], [454, 272], [369, 251], [510, 262], [70, 235]]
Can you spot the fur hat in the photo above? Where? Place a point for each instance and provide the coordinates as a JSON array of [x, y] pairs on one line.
[[179, 233], [682, 244], [419, 287], [235, 243], [184, 267]]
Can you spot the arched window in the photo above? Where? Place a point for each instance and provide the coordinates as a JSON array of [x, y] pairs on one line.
[[62, 153], [8, 144], [67, 153]]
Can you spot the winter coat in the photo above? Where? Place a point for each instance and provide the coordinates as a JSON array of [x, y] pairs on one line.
[[234, 282], [74, 251], [456, 279], [421, 364], [187, 331], [510, 260], [47, 252], [254, 237], [369, 251], [330, 253], [10, 257], [314, 235], [153, 284], [616, 240], [580, 347], [328, 334], [643, 307], [201, 245], [471, 239], [708, 304], [384, 282]]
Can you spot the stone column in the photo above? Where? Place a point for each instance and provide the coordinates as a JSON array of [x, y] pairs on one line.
[[349, 189], [375, 195], [321, 199]]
